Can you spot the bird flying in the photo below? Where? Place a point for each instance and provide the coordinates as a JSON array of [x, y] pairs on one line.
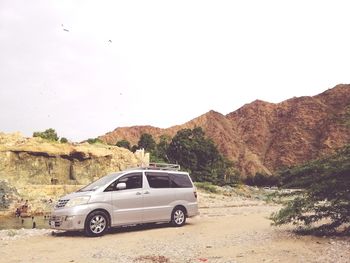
[[64, 29]]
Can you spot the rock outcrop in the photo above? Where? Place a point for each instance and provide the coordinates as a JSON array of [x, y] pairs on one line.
[[39, 170], [37, 161], [264, 137]]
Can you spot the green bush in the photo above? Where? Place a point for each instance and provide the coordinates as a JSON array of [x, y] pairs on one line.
[[94, 140], [322, 203], [124, 144], [49, 134], [63, 140]]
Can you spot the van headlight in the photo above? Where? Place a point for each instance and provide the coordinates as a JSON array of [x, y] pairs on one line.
[[78, 201]]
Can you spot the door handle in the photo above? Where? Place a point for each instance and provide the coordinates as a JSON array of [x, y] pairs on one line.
[[146, 193], [138, 193]]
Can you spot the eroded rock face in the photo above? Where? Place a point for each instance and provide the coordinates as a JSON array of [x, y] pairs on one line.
[[36, 161], [264, 137], [38, 170]]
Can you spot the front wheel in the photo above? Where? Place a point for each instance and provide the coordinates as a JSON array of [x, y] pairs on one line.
[[96, 224], [178, 217]]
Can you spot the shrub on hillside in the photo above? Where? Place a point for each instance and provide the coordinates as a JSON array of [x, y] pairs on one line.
[[124, 144], [63, 140], [49, 134], [94, 140]]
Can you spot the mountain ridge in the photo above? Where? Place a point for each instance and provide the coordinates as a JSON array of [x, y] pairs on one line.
[[262, 137]]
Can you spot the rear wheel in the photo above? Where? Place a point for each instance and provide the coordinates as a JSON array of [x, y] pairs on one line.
[[96, 224], [178, 216]]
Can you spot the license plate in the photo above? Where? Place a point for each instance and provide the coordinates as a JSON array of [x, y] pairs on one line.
[[52, 223]]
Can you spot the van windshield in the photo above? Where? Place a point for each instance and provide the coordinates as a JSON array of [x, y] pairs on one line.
[[100, 182]]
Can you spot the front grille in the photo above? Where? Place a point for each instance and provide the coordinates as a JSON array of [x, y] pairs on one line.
[[61, 203]]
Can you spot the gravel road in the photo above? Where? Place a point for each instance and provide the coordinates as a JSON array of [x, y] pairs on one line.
[[229, 229]]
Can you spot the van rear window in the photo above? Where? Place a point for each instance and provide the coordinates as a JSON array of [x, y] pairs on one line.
[[157, 180], [180, 181], [168, 180]]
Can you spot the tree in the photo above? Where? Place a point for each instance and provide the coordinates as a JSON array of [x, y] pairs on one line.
[[49, 134], [63, 140], [324, 195], [181, 149], [198, 154], [134, 148], [159, 154], [147, 142], [123, 143]]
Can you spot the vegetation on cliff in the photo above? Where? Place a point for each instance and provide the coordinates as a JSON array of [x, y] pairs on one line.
[[49, 134], [323, 202], [124, 144], [94, 140]]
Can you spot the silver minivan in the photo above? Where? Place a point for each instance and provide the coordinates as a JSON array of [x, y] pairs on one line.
[[157, 193]]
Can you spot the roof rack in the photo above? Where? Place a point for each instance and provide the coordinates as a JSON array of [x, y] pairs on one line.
[[160, 166]]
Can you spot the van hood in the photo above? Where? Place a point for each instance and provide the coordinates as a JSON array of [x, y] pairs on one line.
[[76, 194]]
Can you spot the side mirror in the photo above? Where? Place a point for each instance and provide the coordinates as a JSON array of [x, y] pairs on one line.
[[121, 186]]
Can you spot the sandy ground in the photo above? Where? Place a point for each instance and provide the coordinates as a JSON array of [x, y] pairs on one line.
[[229, 229]]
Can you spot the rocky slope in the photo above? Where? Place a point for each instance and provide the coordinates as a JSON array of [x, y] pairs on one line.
[[36, 169], [264, 137], [36, 161]]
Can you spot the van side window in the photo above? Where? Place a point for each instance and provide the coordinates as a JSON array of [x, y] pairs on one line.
[[180, 181], [132, 181], [158, 180]]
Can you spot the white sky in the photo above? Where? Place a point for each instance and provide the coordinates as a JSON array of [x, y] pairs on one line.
[[169, 61]]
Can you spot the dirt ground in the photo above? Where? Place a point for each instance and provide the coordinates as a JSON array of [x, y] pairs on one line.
[[228, 230]]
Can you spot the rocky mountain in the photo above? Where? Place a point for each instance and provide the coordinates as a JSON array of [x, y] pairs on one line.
[[264, 137]]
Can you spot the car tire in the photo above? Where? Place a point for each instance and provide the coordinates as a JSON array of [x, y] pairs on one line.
[[96, 224], [178, 217]]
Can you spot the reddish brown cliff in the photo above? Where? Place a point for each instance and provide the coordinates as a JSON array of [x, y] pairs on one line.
[[264, 137]]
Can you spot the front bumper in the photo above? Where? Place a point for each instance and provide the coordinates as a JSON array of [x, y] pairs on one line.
[[68, 218], [67, 222]]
